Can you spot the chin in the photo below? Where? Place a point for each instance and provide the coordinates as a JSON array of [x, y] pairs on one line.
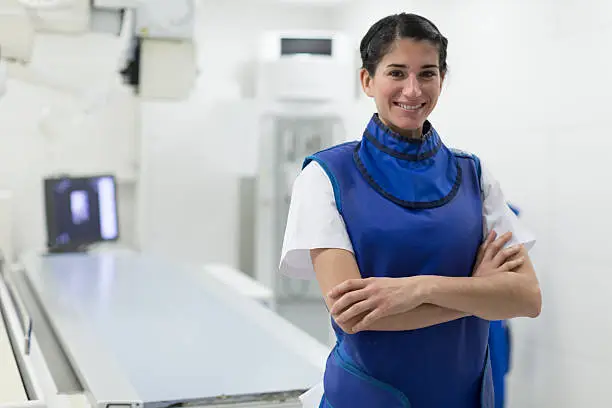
[[408, 124]]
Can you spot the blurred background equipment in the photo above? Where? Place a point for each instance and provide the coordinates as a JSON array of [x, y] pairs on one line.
[[304, 82]]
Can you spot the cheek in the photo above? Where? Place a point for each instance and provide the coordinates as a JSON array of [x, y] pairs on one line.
[[433, 91], [388, 91]]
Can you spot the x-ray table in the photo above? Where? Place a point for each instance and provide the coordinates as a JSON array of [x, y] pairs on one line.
[[141, 332]]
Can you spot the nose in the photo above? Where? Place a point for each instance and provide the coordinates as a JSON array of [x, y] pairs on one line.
[[412, 87]]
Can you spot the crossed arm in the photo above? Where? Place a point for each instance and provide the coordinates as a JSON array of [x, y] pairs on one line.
[[334, 267], [392, 304]]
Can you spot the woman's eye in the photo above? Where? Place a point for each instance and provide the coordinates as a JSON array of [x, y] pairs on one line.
[[396, 74], [428, 74]]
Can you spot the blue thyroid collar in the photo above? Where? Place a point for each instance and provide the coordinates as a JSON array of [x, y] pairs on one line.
[[413, 173]]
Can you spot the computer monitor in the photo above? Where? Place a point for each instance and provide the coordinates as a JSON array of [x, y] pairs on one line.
[[80, 211]]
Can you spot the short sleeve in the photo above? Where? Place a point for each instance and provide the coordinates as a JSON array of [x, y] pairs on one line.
[[499, 216], [313, 222]]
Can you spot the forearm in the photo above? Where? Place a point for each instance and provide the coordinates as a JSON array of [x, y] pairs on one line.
[[423, 316], [495, 297]]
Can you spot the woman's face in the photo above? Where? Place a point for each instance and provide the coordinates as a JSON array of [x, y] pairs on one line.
[[406, 85]]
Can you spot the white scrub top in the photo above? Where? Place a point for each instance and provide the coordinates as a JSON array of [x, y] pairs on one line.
[[314, 221]]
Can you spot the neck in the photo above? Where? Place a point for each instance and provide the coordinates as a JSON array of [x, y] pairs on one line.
[[409, 133]]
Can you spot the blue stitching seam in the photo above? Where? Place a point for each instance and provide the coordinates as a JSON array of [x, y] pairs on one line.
[[373, 381], [475, 159], [327, 403]]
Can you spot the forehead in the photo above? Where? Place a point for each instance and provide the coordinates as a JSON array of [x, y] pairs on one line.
[[413, 53]]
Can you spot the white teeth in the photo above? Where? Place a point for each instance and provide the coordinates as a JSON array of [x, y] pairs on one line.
[[408, 107]]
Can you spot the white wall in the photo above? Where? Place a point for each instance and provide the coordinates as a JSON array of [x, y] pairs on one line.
[[528, 91]]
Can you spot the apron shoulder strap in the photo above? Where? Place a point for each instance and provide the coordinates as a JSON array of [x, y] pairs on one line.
[[462, 153]]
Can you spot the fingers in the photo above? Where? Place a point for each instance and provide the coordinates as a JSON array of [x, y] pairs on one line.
[[347, 286], [513, 264], [481, 251], [491, 237], [497, 245], [347, 300], [367, 320], [505, 254], [354, 311]]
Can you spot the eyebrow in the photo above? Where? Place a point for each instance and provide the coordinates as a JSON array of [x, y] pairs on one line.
[[406, 66]]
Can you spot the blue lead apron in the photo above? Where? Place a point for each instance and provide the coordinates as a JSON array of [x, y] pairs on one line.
[[411, 207]]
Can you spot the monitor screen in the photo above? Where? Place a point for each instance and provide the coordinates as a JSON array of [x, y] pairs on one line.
[[311, 46], [81, 210]]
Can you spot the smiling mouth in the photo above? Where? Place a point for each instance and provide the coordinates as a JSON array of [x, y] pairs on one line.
[[410, 108]]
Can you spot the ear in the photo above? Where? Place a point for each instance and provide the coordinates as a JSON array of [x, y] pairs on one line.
[[442, 78], [366, 82]]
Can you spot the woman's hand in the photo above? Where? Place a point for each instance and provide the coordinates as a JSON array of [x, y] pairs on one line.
[[491, 258], [359, 302]]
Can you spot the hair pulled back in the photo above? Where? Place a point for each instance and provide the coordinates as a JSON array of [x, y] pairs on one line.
[[379, 39]]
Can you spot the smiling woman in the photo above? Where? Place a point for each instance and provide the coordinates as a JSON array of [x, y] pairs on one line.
[[403, 71], [393, 228]]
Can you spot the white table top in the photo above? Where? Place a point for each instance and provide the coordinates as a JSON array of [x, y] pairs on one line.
[[139, 327], [239, 281]]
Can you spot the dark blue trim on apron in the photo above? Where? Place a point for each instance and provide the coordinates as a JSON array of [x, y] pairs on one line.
[[346, 386]]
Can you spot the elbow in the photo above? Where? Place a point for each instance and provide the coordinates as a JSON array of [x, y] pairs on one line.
[[534, 305], [527, 302]]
